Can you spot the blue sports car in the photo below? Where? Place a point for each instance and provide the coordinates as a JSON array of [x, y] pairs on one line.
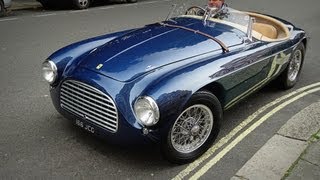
[[169, 82]]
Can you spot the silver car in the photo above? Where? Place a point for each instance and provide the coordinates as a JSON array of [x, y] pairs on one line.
[[4, 4]]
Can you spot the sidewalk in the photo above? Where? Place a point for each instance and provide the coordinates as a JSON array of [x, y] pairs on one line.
[[24, 5], [292, 153], [308, 165]]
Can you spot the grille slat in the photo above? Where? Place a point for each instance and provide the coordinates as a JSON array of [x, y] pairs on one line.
[[81, 100], [87, 87], [86, 109], [86, 101], [88, 97], [80, 110], [84, 88], [89, 118]]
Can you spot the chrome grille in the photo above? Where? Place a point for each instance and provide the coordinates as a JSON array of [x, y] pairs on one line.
[[89, 103]]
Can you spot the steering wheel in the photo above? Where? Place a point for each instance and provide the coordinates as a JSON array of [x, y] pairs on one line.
[[195, 10]]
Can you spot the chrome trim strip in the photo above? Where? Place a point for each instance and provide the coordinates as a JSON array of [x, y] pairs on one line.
[[262, 59], [262, 82]]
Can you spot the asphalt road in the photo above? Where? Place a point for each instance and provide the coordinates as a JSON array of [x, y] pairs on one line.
[[37, 142]]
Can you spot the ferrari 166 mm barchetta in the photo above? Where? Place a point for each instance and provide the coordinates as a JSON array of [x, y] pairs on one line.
[[170, 81]]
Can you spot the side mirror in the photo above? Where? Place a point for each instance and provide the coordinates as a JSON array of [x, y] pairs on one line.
[[250, 27]]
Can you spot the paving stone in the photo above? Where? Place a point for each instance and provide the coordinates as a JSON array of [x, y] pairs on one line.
[[313, 153], [304, 124], [305, 171], [273, 159]]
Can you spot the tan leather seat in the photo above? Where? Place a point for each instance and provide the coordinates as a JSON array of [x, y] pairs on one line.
[[266, 30]]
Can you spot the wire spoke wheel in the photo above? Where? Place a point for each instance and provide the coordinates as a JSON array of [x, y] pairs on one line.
[[194, 131], [294, 65], [290, 76], [192, 128]]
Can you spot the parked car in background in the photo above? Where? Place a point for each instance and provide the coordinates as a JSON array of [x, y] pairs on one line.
[[77, 4], [4, 4]]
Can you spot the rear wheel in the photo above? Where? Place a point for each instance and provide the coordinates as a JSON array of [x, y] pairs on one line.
[[81, 4], [290, 76], [194, 131], [2, 9]]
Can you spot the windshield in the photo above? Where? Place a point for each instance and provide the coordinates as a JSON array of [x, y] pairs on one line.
[[225, 15]]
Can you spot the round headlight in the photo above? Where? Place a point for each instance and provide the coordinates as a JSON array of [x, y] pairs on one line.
[[146, 110], [49, 71]]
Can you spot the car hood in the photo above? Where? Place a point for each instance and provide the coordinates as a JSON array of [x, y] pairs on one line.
[[154, 46]]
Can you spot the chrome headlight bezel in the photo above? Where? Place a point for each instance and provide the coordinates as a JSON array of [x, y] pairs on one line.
[[146, 111], [49, 71]]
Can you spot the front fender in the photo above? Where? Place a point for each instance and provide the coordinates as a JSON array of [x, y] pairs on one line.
[[172, 86]]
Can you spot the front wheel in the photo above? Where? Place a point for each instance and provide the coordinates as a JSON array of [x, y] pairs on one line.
[[194, 131], [289, 77], [81, 4]]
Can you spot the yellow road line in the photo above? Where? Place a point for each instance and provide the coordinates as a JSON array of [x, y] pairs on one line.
[[239, 138], [229, 136]]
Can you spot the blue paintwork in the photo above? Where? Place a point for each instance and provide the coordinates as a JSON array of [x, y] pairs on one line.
[[133, 54], [168, 65], [68, 56]]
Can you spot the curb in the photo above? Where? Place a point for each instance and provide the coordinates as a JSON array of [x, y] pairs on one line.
[[277, 158]]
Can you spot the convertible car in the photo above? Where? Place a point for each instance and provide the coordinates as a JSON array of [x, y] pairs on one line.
[[170, 81]]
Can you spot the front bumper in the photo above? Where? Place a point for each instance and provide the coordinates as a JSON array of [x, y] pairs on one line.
[[127, 133]]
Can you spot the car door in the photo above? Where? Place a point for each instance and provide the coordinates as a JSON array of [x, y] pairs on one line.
[[248, 72]]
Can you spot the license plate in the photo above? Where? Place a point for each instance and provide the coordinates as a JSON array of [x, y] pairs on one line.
[[85, 126]]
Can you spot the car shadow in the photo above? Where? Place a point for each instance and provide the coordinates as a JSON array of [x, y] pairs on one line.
[[141, 155]]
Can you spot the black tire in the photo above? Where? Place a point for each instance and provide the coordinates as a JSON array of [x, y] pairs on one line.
[[208, 100], [81, 4], [284, 79], [2, 9], [132, 1]]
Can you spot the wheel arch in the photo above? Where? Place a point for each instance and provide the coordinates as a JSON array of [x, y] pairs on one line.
[[305, 42], [216, 89]]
